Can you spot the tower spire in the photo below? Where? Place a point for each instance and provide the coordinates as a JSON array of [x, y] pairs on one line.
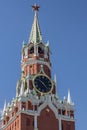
[[35, 35]]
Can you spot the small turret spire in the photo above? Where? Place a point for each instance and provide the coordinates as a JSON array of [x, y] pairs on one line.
[[35, 35], [69, 97], [22, 89], [4, 109], [55, 79]]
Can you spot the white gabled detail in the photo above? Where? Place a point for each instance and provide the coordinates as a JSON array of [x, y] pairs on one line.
[[48, 102]]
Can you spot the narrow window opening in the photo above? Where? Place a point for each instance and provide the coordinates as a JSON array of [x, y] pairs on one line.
[[40, 51], [31, 50]]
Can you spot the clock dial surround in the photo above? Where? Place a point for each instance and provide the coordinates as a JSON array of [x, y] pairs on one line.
[[42, 84]]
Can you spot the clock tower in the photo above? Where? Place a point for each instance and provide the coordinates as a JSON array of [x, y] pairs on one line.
[[36, 105]]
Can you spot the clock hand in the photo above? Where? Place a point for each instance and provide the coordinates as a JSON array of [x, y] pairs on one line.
[[43, 84]]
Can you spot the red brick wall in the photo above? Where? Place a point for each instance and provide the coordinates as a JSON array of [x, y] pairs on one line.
[[27, 122], [47, 120], [68, 125], [15, 125]]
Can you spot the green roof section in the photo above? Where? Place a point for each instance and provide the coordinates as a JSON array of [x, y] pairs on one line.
[[35, 35]]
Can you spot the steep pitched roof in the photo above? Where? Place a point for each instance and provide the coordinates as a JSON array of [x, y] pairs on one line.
[[35, 35]]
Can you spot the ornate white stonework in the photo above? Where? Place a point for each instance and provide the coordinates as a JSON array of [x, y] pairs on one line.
[[31, 61]]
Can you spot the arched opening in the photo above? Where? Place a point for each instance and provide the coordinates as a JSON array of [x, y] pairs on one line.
[[40, 50], [31, 50]]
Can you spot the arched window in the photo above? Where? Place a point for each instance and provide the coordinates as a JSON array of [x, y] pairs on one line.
[[40, 51], [30, 107], [32, 50], [63, 112]]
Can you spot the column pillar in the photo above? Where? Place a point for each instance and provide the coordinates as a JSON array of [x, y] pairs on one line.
[[35, 122], [45, 50], [35, 52], [60, 125]]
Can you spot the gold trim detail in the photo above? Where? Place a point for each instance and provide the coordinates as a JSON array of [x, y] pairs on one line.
[[47, 78]]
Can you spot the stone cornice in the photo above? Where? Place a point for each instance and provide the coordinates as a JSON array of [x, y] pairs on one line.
[[33, 61]]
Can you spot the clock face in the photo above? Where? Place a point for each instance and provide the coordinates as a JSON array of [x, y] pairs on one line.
[[42, 84]]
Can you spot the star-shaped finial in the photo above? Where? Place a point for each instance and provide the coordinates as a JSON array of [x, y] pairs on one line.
[[35, 7]]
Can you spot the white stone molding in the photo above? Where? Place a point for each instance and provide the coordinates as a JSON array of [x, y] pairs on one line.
[[33, 61], [66, 118]]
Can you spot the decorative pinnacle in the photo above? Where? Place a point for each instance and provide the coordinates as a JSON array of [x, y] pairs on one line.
[[69, 97], [35, 7]]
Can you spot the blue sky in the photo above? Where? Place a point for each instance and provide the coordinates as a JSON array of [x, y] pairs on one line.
[[64, 24]]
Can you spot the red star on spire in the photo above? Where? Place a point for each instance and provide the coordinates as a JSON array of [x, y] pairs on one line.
[[35, 7]]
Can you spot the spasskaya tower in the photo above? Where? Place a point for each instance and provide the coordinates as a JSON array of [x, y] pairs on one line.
[[36, 105]]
